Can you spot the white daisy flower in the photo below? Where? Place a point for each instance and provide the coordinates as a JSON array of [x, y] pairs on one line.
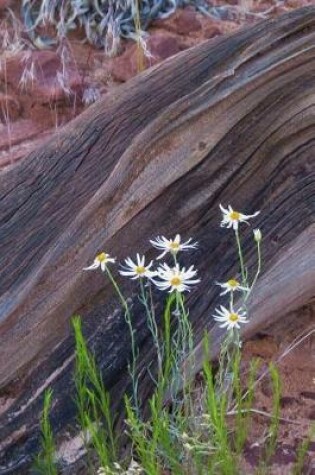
[[232, 218], [257, 235], [231, 286], [230, 318], [101, 260], [172, 245], [174, 278], [138, 269]]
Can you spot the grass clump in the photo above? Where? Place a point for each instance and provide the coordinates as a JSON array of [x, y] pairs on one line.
[[93, 401], [302, 452], [45, 462]]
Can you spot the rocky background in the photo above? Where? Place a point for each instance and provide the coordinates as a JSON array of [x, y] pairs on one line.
[[41, 90]]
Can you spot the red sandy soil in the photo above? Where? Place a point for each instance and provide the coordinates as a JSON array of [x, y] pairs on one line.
[[297, 373], [290, 346]]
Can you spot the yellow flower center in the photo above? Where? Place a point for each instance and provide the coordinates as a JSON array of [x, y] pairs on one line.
[[235, 215], [233, 317], [102, 257], [174, 245], [176, 281], [233, 283], [140, 270]]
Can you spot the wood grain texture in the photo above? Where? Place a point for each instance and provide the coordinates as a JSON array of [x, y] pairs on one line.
[[230, 121]]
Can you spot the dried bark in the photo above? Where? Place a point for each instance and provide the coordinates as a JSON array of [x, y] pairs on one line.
[[230, 121]]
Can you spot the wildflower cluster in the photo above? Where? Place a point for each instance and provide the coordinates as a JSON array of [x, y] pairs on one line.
[[165, 277], [171, 438], [169, 277], [230, 318], [174, 343], [177, 279]]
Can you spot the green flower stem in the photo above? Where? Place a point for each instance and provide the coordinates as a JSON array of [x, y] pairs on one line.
[[120, 295], [181, 323], [231, 299], [152, 323], [257, 272], [240, 254], [168, 355], [188, 343], [188, 330], [224, 360], [229, 352], [176, 349], [184, 330], [132, 367], [179, 345]]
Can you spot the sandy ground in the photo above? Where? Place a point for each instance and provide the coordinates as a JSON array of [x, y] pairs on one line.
[[290, 344]]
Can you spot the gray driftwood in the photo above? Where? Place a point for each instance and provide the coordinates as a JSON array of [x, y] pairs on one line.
[[230, 121]]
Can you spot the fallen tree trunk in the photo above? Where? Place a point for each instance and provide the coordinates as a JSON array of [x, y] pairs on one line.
[[230, 121]]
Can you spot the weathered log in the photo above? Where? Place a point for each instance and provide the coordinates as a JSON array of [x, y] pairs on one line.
[[229, 121]]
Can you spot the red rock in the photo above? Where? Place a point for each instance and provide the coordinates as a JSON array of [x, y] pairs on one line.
[[5, 4], [186, 22], [11, 70], [57, 90], [124, 67], [43, 74], [55, 81], [160, 46], [10, 108], [21, 130], [212, 31]]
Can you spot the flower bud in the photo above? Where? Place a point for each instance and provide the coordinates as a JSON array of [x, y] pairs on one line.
[[257, 235]]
